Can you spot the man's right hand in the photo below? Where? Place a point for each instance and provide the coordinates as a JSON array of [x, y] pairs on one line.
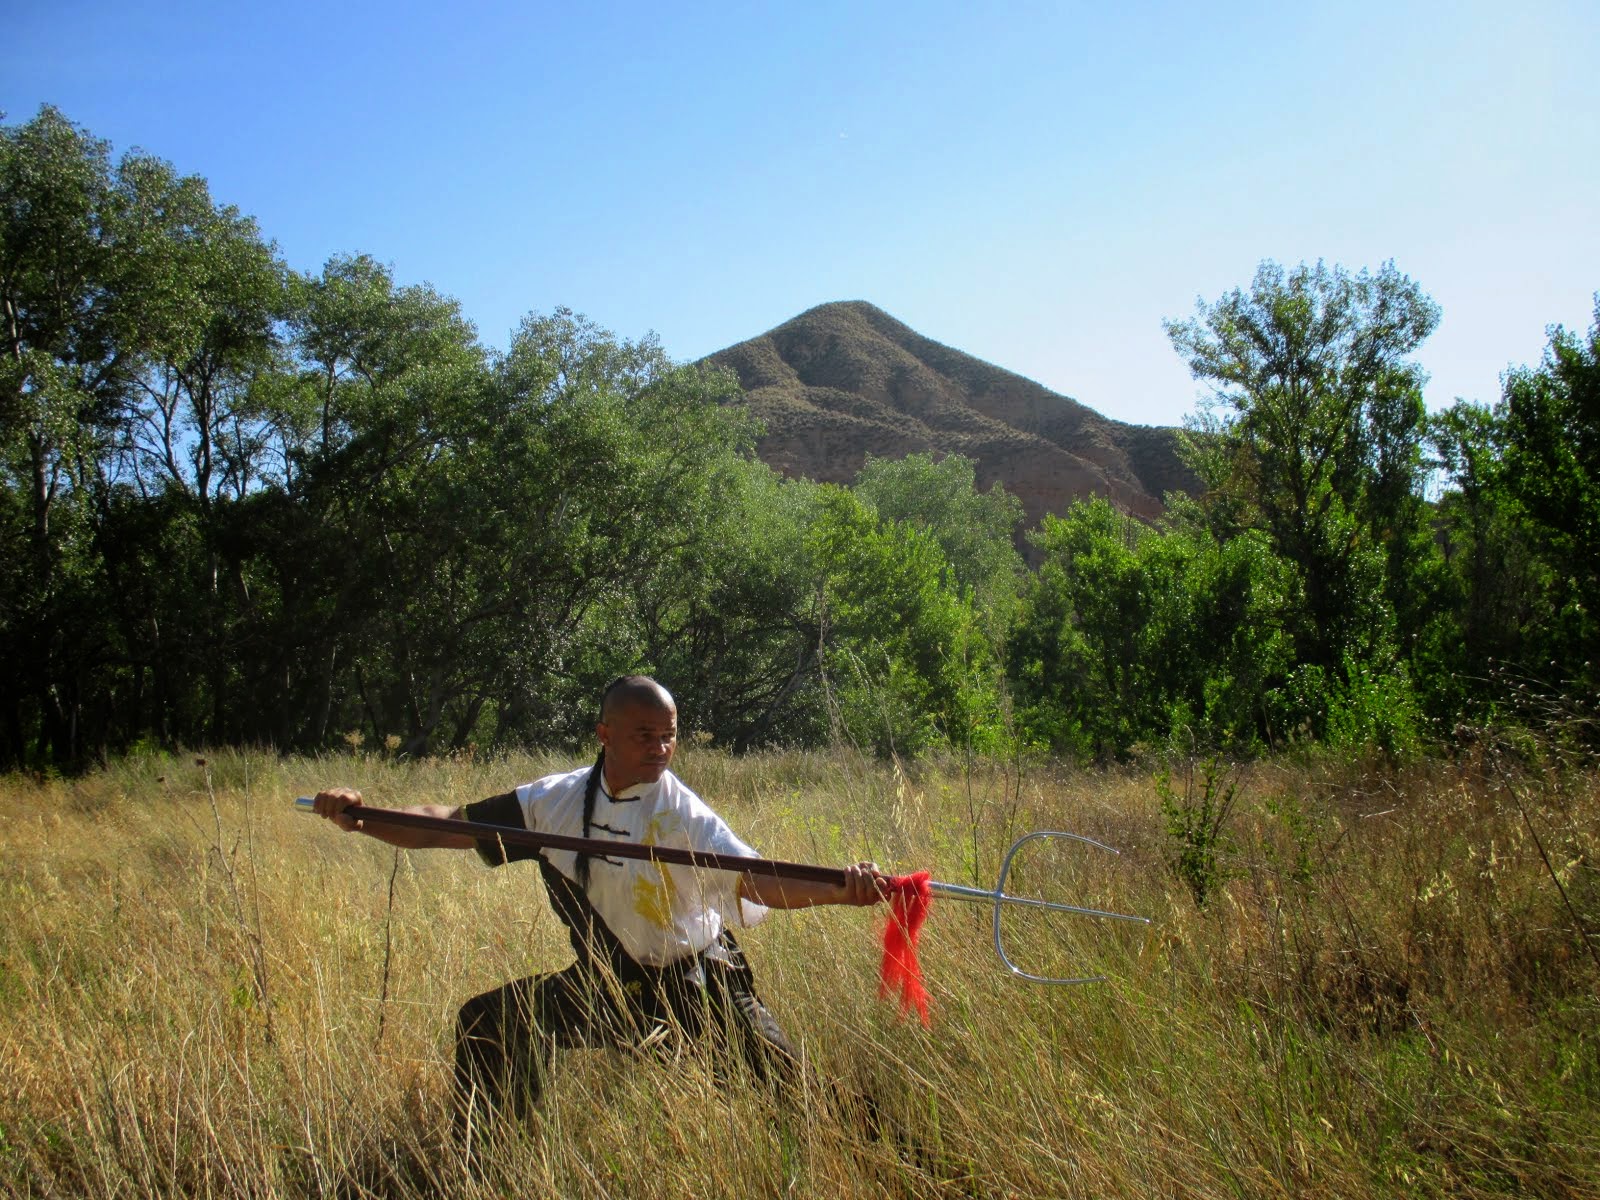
[[332, 803]]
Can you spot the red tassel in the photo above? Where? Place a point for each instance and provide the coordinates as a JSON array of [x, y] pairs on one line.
[[909, 898]]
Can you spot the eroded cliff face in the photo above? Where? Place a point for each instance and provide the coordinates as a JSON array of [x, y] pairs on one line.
[[846, 380]]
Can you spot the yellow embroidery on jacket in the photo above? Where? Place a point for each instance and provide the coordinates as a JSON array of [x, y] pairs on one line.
[[654, 899]]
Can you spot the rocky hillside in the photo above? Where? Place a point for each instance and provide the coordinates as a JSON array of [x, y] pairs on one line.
[[846, 380]]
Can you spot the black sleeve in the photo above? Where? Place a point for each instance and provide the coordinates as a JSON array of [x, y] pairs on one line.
[[503, 809]]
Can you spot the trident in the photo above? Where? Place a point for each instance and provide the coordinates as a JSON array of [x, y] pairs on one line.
[[775, 868]]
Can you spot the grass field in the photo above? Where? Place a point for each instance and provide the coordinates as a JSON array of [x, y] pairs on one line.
[[1388, 992]]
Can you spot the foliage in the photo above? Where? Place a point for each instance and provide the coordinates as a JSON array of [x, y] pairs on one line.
[[1354, 709], [241, 504], [1551, 470], [1495, 580], [1195, 822], [260, 506], [903, 648], [137, 312], [733, 623], [1520, 515], [1316, 439], [1129, 635], [974, 529]]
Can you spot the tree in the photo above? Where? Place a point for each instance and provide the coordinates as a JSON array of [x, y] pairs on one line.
[[1523, 518], [732, 622], [131, 305], [66, 361], [974, 529], [195, 418], [621, 467], [1552, 470], [1314, 435], [195, 433], [1497, 597], [905, 653], [1129, 634], [388, 434]]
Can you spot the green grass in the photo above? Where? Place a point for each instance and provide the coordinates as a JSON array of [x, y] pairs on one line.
[[1385, 994]]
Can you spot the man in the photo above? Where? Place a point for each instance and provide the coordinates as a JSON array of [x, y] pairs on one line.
[[656, 956]]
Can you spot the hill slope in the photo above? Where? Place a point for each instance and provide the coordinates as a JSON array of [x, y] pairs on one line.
[[844, 380]]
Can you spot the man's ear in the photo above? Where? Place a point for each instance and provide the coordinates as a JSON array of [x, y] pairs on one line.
[[602, 734]]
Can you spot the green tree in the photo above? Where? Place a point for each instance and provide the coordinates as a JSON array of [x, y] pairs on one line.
[[129, 312], [502, 528], [1497, 586], [67, 362], [1551, 470], [1131, 635], [196, 420], [733, 621], [195, 442], [974, 529], [623, 466], [1521, 512], [905, 654], [1315, 436], [383, 467]]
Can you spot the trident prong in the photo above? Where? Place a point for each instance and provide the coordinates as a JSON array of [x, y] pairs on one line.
[[999, 898]]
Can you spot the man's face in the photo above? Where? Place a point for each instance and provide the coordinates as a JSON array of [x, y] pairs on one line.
[[639, 740]]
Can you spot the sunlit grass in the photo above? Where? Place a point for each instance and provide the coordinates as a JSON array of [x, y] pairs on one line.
[[205, 993]]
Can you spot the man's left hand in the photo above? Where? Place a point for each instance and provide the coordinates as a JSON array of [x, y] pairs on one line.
[[864, 884]]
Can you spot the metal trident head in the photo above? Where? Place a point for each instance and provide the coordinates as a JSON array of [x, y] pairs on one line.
[[999, 898]]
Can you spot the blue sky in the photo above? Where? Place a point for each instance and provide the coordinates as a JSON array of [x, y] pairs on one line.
[[1036, 184]]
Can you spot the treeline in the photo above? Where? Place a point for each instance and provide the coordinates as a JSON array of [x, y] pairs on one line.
[[240, 504]]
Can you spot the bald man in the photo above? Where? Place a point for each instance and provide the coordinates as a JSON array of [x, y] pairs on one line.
[[656, 957]]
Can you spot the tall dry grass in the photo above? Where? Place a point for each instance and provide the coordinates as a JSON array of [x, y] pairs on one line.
[[205, 993]]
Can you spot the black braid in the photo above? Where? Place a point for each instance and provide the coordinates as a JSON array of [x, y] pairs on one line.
[[590, 791], [592, 788]]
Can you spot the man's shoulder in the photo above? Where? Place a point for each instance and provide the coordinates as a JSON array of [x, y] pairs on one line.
[[675, 789], [679, 795], [548, 787], [705, 827]]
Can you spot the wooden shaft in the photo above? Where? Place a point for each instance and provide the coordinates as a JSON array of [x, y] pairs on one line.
[[601, 847]]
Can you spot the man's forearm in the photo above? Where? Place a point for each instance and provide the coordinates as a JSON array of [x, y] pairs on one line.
[[788, 893], [863, 884], [408, 838]]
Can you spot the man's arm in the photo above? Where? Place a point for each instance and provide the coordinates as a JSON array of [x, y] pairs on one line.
[[332, 803], [863, 885]]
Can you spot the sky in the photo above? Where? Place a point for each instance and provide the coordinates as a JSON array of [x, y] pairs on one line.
[[1039, 185]]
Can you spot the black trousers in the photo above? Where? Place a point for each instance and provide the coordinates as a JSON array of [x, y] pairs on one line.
[[506, 1038]]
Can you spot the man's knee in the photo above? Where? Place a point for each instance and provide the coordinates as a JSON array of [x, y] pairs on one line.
[[472, 1016], [481, 1030], [496, 1067]]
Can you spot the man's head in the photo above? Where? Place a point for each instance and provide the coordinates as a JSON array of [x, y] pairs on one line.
[[638, 729]]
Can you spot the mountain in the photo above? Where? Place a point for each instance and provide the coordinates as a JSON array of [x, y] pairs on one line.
[[845, 380]]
